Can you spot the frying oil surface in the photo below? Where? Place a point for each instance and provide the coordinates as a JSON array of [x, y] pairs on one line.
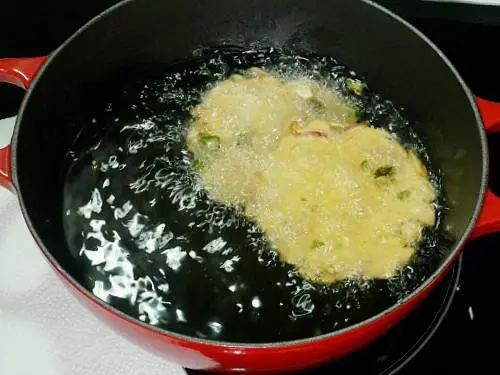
[[152, 242]]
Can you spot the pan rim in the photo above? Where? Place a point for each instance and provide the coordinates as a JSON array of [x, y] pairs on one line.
[[290, 344]]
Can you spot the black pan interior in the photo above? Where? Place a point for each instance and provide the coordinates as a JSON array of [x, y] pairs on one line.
[[392, 59]]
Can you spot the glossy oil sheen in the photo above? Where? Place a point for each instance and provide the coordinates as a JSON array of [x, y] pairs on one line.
[[152, 242]]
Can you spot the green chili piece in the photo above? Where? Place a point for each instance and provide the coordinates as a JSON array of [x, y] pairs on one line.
[[385, 171], [355, 85], [315, 244], [198, 165], [317, 105], [402, 195], [211, 142]]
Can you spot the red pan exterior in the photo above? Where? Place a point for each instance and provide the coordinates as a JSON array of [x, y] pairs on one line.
[[273, 358], [259, 359]]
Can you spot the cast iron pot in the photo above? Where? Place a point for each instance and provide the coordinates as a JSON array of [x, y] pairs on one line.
[[394, 57]]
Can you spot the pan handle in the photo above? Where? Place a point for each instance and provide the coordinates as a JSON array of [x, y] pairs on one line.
[[18, 72], [489, 219]]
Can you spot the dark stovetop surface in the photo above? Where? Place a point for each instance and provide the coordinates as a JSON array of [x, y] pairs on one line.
[[466, 34]]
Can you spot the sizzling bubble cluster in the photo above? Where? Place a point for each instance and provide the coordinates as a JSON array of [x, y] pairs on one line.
[[152, 242]]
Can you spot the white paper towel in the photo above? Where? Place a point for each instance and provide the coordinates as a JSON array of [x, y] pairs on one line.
[[43, 329]]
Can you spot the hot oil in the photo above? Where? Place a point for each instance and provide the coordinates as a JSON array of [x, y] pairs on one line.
[[153, 243]]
